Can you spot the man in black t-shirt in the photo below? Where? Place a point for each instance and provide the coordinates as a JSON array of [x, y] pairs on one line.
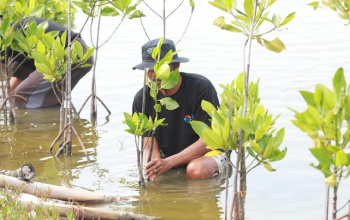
[[28, 83], [177, 144]]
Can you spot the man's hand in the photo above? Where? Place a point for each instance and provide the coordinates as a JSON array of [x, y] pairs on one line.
[[156, 167]]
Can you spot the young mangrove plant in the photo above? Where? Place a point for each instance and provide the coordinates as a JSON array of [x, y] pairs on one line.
[[342, 8], [327, 122], [139, 124], [260, 138], [93, 9], [12, 13], [249, 22]]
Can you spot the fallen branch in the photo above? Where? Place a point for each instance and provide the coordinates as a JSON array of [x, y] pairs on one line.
[[56, 192]]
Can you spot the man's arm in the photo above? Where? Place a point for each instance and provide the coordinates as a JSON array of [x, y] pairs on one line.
[[14, 82], [195, 150]]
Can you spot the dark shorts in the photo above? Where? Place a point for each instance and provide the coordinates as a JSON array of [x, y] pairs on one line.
[[37, 91]]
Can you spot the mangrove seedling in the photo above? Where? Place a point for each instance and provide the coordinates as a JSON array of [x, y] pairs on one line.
[[326, 120]]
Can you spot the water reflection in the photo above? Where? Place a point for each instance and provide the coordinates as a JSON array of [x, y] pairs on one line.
[[29, 139], [174, 196]]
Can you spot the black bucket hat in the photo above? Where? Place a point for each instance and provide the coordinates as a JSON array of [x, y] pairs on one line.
[[147, 48]]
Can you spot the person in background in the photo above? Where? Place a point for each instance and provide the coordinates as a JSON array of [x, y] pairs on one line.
[[177, 145], [28, 83]]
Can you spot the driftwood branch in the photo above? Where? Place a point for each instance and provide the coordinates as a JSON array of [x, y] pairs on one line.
[[56, 192]]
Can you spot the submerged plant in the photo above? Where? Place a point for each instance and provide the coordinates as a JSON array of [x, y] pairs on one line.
[[327, 122]]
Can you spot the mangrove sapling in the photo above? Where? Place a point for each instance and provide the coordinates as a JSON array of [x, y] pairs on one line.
[[326, 121], [260, 139], [169, 80], [342, 8], [104, 8], [248, 22]]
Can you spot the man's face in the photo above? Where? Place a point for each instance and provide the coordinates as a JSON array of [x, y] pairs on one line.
[[152, 75]]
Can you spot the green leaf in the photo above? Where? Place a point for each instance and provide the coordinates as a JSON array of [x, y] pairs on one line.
[[249, 8], [137, 14], [256, 147], [308, 97], [37, 11], [18, 7], [339, 87], [39, 58], [323, 156], [228, 4], [332, 180], [157, 107], [5, 26], [32, 41], [246, 125], [89, 52], [192, 4], [208, 107], [276, 19], [170, 104], [270, 2], [42, 68], [278, 139], [109, 11], [49, 78], [259, 133], [212, 139], [172, 81], [279, 156], [219, 4], [78, 48], [268, 151], [276, 45], [268, 167], [287, 19], [220, 22], [48, 40], [260, 110], [314, 4], [163, 72], [341, 158], [198, 127], [226, 130]]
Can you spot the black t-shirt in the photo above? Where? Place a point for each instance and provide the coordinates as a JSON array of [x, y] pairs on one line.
[[178, 134]]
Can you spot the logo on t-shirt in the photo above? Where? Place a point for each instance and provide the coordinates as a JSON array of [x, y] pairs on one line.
[[189, 118]]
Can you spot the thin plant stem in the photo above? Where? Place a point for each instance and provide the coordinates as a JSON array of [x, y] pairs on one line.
[[138, 153], [93, 112], [144, 27], [69, 79], [113, 31], [173, 10], [151, 9], [227, 166], [164, 19], [327, 202], [144, 87], [188, 23], [151, 148]]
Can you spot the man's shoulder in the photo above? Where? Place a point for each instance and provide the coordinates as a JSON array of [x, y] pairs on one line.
[[195, 78]]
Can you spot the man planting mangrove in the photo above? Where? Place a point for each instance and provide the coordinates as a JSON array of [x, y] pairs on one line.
[[28, 82], [177, 145]]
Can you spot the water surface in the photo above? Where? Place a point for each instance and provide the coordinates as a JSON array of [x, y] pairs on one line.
[[317, 45]]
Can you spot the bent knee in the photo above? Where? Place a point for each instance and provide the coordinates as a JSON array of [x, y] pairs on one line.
[[201, 168]]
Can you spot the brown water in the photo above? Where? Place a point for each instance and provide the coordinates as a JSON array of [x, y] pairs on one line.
[[317, 44]]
